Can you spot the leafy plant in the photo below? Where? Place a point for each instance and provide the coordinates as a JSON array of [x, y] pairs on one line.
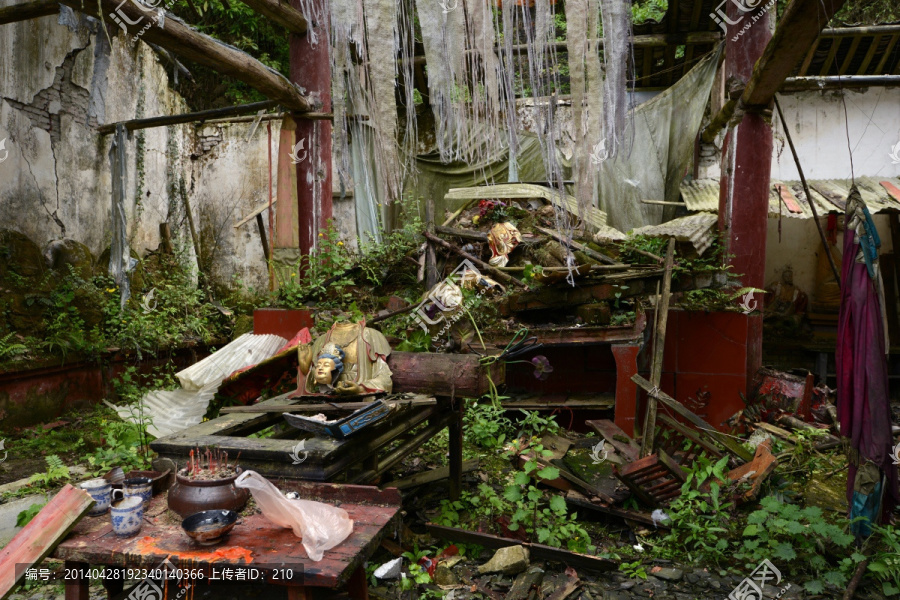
[[546, 522], [123, 445], [9, 349], [417, 341], [633, 570], [486, 425], [536, 425], [698, 516], [797, 536], [56, 471], [25, 517], [885, 562]]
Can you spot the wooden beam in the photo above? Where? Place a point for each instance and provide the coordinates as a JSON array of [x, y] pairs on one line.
[[430, 476], [731, 445], [174, 35], [28, 10], [798, 84], [797, 30], [281, 13], [193, 117]]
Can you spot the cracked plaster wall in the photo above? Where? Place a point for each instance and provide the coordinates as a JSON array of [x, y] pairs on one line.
[[59, 78]]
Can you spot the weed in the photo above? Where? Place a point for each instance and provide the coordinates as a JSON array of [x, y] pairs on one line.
[[633, 570], [25, 517], [486, 425], [56, 472], [885, 562]]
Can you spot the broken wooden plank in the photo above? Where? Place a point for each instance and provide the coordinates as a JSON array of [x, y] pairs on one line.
[[561, 592], [730, 444], [578, 246], [25, 11], [691, 435], [537, 551], [757, 470], [658, 348], [430, 476], [174, 35], [41, 535], [782, 434], [619, 440], [579, 500], [787, 196], [602, 402]]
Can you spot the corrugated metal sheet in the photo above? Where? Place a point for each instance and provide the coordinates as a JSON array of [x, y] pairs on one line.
[[170, 411], [699, 229], [595, 217], [247, 350], [829, 195]]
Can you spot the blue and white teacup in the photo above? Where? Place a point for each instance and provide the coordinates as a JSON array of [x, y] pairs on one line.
[[101, 491], [127, 516], [137, 487]]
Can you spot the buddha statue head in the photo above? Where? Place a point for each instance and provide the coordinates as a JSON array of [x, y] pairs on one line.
[[329, 365]]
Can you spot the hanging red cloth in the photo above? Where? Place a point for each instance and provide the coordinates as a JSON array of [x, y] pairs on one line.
[[862, 371]]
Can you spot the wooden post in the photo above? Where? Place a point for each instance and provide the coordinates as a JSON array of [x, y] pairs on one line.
[[658, 349], [431, 274]]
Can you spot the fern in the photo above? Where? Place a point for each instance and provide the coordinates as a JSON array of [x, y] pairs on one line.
[[56, 471], [11, 349]]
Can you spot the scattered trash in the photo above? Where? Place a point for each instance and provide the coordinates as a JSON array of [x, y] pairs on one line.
[[390, 569]]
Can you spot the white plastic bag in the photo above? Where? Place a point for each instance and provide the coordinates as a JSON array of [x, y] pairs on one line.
[[320, 526]]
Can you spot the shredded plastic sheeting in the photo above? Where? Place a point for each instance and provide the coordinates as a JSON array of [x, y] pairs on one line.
[[168, 411], [247, 350], [664, 130]]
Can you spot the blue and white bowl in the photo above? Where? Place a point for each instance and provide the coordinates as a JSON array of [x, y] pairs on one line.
[[127, 516], [101, 491]]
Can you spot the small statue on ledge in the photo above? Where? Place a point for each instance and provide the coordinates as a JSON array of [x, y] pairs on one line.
[[786, 304], [351, 360]]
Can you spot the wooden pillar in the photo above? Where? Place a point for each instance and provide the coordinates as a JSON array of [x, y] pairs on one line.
[[311, 70], [77, 588], [746, 165]]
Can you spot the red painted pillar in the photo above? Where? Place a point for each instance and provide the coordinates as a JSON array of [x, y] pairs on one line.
[[626, 389], [746, 165], [311, 70]]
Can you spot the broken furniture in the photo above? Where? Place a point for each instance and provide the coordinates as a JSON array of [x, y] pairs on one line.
[[255, 543], [440, 380]]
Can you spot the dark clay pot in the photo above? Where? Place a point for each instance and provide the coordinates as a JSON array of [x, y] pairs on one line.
[[188, 497]]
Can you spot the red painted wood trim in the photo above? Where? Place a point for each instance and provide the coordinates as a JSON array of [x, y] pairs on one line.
[[787, 196]]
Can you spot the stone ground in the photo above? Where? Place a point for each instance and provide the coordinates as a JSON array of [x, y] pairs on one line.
[[665, 583]]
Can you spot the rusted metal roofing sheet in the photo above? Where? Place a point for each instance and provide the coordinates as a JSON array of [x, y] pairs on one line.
[[699, 229], [829, 195]]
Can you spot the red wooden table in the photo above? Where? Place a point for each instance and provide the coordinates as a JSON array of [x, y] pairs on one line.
[[255, 545]]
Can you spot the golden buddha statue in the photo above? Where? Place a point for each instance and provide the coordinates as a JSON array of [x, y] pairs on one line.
[[351, 360]]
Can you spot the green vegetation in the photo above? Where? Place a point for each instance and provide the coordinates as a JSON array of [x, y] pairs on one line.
[[56, 471]]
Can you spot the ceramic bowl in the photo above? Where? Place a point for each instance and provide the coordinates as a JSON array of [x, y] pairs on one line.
[[210, 527]]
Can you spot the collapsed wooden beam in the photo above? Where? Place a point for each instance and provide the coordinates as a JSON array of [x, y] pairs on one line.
[[174, 35], [281, 13], [795, 34], [28, 10]]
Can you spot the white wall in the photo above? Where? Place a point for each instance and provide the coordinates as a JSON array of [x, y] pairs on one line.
[[819, 131]]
